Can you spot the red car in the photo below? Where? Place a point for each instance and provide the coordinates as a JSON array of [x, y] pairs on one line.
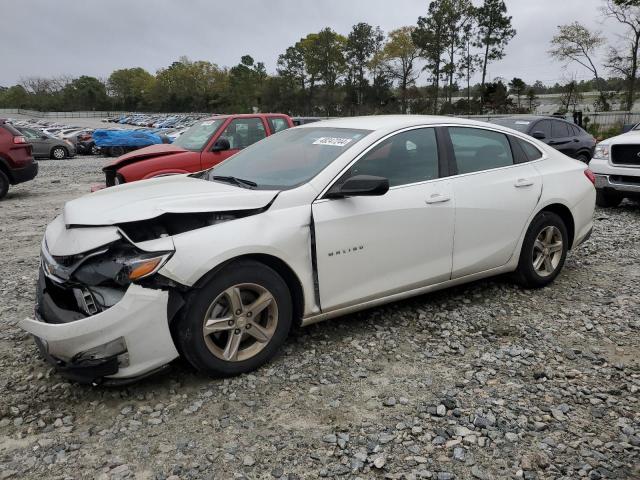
[[204, 145], [16, 158]]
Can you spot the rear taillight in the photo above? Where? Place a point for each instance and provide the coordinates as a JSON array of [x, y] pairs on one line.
[[19, 139], [589, 174]]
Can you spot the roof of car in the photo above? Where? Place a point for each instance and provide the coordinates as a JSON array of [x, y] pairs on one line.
[[384, 122]]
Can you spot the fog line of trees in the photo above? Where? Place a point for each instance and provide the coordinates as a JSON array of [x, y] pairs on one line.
[[422, 68]]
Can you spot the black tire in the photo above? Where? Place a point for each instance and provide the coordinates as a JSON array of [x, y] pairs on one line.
[[116, 151], [584, 158], [95, 150], [608, 199], [59, 153], [527, 274], [188, 328], [4, 184]]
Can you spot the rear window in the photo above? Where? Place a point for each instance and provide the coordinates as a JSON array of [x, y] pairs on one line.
[[477, 149], [531, 152], [561, 130]]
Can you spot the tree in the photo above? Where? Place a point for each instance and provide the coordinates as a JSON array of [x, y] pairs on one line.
[[628, 14], [532, 100], [517, 87], [85, 93], [458, 16], [245, 85], [400, 54], [429, 37], [292, 68], [496, 97], [14, 97], [131, 88], [494, 32], [576, 43], [360, 47], [324, 60]]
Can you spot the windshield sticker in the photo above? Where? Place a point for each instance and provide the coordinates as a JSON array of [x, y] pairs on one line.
[[333, 141], [522, 122], [208, 122]]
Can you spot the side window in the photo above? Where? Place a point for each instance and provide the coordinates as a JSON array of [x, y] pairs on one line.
[[277, 124], [545, 127], [476, 150], [243, 132], [30, 134], [408, 157], [560, 130], [576, 130], [531, 152]]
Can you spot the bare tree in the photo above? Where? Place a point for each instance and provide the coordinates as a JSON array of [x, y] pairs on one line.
[[625, 63], [576, 43]]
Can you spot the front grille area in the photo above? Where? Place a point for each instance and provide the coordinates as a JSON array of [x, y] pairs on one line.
[[110, 177], [625, 179], [625, 155]]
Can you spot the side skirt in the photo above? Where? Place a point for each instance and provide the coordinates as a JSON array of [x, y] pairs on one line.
[[320, 317]]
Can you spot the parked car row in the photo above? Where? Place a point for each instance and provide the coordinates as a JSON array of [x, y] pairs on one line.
[[173, 121]]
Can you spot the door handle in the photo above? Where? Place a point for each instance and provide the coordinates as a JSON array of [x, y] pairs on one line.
[[438, 198], [523, 182]]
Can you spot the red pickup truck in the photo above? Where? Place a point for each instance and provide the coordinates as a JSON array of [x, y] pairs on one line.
[[204, 145]]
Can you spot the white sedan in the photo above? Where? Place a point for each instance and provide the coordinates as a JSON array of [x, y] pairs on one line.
[[309, 224]]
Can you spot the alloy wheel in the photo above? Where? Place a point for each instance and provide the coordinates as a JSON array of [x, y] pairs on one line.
[[547, 251], [240, 322], [58, 153]]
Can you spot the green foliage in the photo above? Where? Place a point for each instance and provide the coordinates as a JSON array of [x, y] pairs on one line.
[[131, 88]]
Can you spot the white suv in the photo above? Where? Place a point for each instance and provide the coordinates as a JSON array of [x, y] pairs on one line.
[[616, 165]]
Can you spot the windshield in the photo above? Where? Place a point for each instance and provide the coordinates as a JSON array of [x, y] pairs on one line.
[[516, 124], [197, 136], [289, 158]]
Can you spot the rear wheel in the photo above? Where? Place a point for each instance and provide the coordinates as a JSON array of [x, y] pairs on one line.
[[608, 199], [4, 184], [583, 157], [237, 321], [58, 153], [116, 151], [544, 251]]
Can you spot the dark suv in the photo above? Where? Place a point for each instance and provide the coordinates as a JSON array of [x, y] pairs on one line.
[[16, 159], [564, 136]]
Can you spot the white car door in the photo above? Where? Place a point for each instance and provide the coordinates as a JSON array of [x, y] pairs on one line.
[[494, 199], [368, 247]]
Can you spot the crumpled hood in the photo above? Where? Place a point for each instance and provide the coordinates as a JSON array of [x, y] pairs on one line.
[[151, 198], [151, 151]]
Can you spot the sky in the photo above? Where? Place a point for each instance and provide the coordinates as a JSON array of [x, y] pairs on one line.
[[69, 37]]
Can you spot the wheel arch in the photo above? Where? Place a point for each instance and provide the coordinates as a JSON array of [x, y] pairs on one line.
[[567, 217], [280, 266]]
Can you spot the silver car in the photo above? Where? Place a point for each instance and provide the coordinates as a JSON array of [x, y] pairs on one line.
[[48, 146]]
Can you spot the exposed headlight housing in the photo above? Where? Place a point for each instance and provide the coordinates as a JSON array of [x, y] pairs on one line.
[[601, 152]]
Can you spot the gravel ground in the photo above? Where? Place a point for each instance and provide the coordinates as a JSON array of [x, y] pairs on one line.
[[481, 381]]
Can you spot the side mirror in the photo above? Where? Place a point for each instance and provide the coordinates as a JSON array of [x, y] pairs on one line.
[[221, 145], [360, 186], [539, 135]]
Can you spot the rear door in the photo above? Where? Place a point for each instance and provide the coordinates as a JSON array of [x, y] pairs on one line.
[[563, 139], [494, 198], [39, 144], [241, 133], [369, 247], [277, 123]]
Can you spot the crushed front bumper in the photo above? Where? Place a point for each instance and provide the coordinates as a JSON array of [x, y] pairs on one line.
[[82, 348], [620, 183]]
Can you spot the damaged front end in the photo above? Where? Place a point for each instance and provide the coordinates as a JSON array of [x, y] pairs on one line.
[[103, 315]]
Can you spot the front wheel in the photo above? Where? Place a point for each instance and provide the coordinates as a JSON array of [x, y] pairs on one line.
[[58, 153], [544, 251], [607, 199], [237, 321]]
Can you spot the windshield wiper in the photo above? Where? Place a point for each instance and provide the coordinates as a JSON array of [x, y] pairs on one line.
[[241, 182]]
